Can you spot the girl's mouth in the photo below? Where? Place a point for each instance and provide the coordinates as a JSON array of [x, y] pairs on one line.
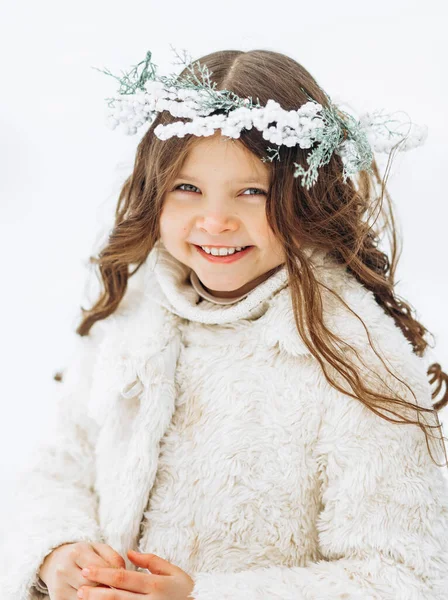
[[230, 258]]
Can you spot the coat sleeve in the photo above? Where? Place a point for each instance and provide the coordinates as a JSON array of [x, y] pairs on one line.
[[383, 524], [54, 499]]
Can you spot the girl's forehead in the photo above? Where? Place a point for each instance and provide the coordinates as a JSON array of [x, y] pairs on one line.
[[221, 154]]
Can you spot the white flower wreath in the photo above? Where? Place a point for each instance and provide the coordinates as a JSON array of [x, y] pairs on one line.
[[143, 95]]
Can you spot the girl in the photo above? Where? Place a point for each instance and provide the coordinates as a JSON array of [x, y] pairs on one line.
[[258, 424]]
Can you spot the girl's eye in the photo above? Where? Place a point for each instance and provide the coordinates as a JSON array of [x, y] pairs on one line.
[[257, 190], [193, 186], [179, 186]]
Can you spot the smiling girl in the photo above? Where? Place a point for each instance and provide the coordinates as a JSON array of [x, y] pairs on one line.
[[248, 410]]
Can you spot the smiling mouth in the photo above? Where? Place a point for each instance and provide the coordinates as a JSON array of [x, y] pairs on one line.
[[225, 258], [207, 246]]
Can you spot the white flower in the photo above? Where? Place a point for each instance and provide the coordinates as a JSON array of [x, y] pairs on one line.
[[242, 113], [233, 120], [261, 120], [191, 104], [230, 130], [271, 115], [183, 93], [192, 94], [291, 140], [114, 112], [272, 105], [306, 129], [273, 135], [310, 109], [189, 127], [176, 126], [175, 109], [181, 133], [195, 129], [305, 142], [241, 123], [140, 96], [266, 134], [130, 130], [162, 104], [217, 118], [159, 93], [292, 119], [112, 123], [160, 132]]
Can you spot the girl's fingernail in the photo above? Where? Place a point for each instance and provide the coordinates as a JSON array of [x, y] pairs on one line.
[[80, 594], [85, 572]]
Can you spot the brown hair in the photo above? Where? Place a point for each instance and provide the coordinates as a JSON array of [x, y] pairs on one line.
[[332, 215]]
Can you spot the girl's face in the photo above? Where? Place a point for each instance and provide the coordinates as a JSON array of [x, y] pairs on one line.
[[219, 199]]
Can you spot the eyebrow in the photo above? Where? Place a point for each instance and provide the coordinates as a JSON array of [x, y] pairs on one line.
[[249, 180]]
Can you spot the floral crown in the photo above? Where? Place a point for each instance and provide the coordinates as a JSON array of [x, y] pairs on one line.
[[143, 95]]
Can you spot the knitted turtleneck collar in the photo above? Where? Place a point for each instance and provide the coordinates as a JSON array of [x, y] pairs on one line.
[[180, 296], [205, 295]]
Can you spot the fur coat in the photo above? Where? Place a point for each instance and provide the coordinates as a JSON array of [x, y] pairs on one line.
[[282, 487]]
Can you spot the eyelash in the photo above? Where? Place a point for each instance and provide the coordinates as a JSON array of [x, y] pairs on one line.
[[262, 192]]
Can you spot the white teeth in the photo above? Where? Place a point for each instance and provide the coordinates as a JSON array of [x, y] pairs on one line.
[[222, 251]]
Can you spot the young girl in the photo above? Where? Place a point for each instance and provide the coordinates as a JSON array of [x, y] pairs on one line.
[[256, 422]]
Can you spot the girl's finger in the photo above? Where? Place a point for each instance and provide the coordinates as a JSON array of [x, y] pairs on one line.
[[99, 593], [111, 557], [121, 579], [86, 555], [82, 557]]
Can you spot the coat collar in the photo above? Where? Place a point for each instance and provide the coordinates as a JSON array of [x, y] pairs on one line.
[[171, 279]]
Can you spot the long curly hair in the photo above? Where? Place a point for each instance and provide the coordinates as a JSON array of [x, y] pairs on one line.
[[333, 215]]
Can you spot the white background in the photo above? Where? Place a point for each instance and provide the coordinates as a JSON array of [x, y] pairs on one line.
[[62, 168]]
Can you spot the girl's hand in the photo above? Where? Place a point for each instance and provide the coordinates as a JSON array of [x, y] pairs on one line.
[[165, 582], [61, 569]]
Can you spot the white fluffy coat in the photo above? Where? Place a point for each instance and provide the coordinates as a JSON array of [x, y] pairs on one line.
[[275, 486]]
